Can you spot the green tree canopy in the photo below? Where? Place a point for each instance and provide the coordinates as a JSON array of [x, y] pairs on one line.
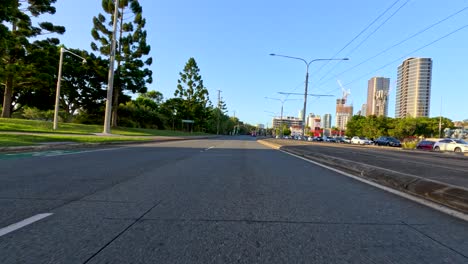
[[132, 72], [16, 29], [195, 96]]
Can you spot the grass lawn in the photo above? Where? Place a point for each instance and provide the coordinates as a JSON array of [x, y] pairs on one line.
[[10, 140], [35, 126]]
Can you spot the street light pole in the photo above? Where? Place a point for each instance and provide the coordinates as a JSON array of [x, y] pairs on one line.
[[59, 79], [282, 104], [306, 82], [110, 81]]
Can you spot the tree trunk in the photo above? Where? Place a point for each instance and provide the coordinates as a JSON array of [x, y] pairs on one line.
[[6, 111], [115, 104]]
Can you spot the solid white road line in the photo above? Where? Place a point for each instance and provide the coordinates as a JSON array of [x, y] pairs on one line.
[[23, 223], [433, 205]]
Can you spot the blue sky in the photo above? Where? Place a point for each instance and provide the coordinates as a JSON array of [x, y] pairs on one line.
[[231, 42]]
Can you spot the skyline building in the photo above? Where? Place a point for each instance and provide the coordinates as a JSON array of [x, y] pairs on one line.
[[414, 88], [289, 121], [363, 109], [343, 113], [377, 97], [327, 121]]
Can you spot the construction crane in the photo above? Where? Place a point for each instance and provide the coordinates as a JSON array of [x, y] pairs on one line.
[[346, 93]]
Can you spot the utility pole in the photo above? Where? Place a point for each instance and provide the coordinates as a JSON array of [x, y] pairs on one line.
[[110, 81], [219, 111], [440, 119], [236, 128]]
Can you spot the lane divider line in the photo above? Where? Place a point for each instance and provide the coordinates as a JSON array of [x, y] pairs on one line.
[[436, 206], [23, 223]]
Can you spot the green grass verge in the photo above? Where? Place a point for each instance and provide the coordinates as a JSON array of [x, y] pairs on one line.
[[35, 126], [10, 140]]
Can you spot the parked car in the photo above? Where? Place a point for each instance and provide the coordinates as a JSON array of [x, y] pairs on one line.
[[329, 139], [425, 145], [318, 139], [448, 144], [310, 139], [347, 140], [387, 141], [340, 140], [360, 140]]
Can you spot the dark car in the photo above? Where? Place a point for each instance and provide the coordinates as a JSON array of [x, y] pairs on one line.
[[340, 140], [387, 141], [425, 145]]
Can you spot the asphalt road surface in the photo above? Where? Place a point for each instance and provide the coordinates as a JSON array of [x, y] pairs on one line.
[[229, 200], [445, 167]]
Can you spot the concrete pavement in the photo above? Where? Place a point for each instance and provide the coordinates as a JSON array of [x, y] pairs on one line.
[[211, 201]]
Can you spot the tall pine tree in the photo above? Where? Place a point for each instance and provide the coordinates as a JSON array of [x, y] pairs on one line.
[[16, 29], [132, 73], [190, 88]]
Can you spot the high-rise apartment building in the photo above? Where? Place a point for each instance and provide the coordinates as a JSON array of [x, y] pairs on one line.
[[343, 113], [414, 88], [377, 96], [363, 109], [327, 121]]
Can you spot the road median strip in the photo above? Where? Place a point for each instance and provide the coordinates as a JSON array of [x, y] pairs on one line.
[[75, 145], [449, 195]]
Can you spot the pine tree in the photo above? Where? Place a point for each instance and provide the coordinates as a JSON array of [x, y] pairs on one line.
[[131, 73], [16, 29], [190, 88]]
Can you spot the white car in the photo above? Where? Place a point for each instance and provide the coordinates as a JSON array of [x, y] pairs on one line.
[[360, 140], [448, 144]]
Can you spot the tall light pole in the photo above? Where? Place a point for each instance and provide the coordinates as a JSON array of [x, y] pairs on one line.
[[59, 79], [110, 80], [306, 82], [282, 104]]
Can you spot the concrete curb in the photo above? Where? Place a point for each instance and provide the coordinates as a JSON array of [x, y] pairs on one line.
[[91, 145], [442, 193]]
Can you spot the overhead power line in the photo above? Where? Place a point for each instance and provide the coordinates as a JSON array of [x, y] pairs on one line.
[[366, 38], [396, 44], [406, 55], [360, 33]]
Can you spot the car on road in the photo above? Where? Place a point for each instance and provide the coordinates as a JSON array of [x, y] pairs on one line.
[[360, 140], [387, 141], [448, 144], [425, 145]]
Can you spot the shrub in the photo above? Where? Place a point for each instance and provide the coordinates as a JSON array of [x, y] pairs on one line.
[[409, 143]]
